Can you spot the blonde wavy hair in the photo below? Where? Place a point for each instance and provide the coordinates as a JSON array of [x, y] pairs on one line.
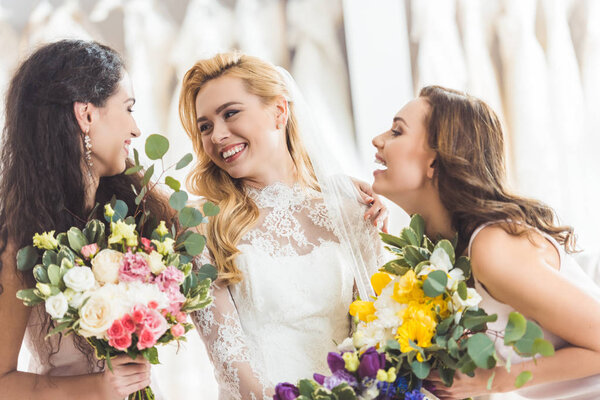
[[238, 213]]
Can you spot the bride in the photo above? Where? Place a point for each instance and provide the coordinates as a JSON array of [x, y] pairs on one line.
[[290, 241]]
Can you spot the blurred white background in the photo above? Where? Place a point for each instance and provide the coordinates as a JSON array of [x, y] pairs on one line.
[[536, 62]]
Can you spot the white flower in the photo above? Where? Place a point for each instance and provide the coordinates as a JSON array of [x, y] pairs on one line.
[[142, 293], [455, 277], [74, 298], [98, 313], [105, 266], [79, 279], [155, 262], [440, 260], [57, 305], [472, 301], [346, 345]]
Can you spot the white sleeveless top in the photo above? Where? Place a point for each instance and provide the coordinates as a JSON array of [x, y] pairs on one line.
[[578, 389]]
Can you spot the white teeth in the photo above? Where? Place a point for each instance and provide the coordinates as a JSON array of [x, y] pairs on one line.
[[232, 151], [378, 161]]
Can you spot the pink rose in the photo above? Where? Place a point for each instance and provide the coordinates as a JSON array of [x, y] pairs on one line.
[[146, 339], [155, 323], [181, 317], [153, 305], [147, 245], [116, 330], [134, 268], [177, 330], [128, 323], [176, 299], [139, 314], [90, 250], [171, 276], [121, 343]]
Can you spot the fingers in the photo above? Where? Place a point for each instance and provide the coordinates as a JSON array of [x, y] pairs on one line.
[[125, 359]]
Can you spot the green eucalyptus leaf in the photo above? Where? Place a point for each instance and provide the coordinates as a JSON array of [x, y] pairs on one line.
[[464, 264], [435, 284], [420, 369], [462, 290], [173, 183], [453, 348], [481, 350], [478, 323], [210, 209], [121, 209], [133, 170], [523, 378], [207, 271], [148, 175], [194, 244], [26, 258], [443, 326], [141, 195], [178, 200], [543, 347], [515, 328], [447, 375], [76, 239], [189, 217], [156, 146], [185, 160], [136, 157], [491, 381]]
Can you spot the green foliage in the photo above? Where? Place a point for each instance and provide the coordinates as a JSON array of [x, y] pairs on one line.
[[515, 328], [156, 146], [185, 160], [26, 258], [523, 378], [178, 200], [435, 284]]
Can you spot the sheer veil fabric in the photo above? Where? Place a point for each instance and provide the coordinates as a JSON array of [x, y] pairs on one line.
[[303, 263]]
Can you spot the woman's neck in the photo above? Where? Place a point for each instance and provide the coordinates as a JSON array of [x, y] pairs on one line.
[[91, 182], [285, 173]]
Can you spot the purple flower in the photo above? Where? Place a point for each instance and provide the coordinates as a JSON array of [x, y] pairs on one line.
[[286, 391], [335, 362], [339, 377], [371, 362], [319, 378], [414, 395]]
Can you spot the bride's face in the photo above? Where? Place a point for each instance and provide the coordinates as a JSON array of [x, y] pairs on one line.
[[238, 131], [405, 156]]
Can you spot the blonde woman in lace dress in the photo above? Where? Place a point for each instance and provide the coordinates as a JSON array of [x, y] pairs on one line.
[[285, 276]]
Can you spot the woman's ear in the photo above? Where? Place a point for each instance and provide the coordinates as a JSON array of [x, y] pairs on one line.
[[281, 112], [83, 115], [432, 167]]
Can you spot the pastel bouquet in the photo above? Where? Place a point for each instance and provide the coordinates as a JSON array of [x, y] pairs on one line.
[[424, 317], [123, 292]]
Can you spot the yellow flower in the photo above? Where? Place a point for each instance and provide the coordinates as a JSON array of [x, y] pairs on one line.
[[408, 288], [123, 231], [439, 301], [351, 360], [108, 210], [422, 313], [379, 281], [418, 332], [165, 247], [161, 229], [389, 376], [45, 241], [365, 310]]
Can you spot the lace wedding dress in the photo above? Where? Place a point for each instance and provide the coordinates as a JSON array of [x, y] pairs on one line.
[[291, 308]]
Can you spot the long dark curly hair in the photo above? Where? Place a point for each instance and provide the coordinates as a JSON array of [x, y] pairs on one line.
[[470, 169], [41, 181]]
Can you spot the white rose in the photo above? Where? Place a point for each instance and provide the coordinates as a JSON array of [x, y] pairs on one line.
[[74, 298], [97, 314], [79, 279], [472, 301], [57, 305], [105, 266], [155, 262]]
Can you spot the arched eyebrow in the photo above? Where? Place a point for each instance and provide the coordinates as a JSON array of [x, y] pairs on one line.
[[396, 119], [219, 109]]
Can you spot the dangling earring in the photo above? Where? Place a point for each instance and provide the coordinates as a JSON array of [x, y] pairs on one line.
[[88, 151], [279, 126]]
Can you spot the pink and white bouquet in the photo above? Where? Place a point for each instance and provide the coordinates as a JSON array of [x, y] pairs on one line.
[[123, 292]]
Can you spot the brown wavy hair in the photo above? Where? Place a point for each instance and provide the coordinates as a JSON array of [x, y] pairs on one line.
[[470, 169], [238, 212]]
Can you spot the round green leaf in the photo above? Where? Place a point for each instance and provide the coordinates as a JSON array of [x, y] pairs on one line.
[[210, 209], [207, 271], [133, 170], [173, 183], [26, 258], [185, 160], [435, 284], [515, 328], [194, 244], [543, 347], [462, 290], [76, 239], [189, 217], [420, 369], [156, 146], [523, 378], [120, 208], [481, 349], [40, 274], [178, 200], [532, 332]]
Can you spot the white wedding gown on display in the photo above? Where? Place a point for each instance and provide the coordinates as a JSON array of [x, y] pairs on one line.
[[291, 308]]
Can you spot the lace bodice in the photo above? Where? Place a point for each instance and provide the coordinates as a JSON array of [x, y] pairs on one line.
[[291, 307]]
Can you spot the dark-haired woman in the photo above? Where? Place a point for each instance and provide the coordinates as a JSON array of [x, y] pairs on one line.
[[444, 159], [65, 145]]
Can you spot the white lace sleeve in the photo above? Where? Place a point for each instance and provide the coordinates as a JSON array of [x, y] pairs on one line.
[[237, 372]]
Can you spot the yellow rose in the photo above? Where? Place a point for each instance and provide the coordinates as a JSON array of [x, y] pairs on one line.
[[365, 310], [161, 229], [45, 241], [105, 266], [121, 230], [97, 315], [379, 280], [165, 247]]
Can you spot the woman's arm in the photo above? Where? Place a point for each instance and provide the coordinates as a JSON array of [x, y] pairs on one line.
[[128, 377], [522, 271]]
